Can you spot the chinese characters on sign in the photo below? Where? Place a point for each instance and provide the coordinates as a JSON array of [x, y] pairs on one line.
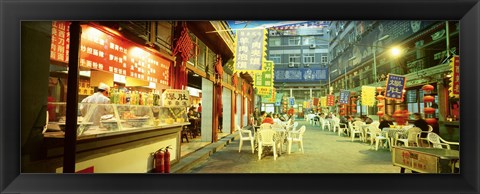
[[301, 75], [395, 86], [262, 91], [174, 98], [106, 52], [368, 95], [249, 50], [456, 76], [344, 96], [416, 160], [265, 78], [60, 44], [330, 100]]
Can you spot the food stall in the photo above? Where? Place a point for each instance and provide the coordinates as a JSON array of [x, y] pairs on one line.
[[122, 136]]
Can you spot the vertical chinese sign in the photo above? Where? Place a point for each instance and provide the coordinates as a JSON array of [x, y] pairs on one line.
[[395, 87], [250, 46], [60, 44], [330, 100], [263, 81], [455, 79], [323, 101], [344, 96]]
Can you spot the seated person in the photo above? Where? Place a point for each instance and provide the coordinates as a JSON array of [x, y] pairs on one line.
[[385, 122], [191, 114], [268, 119], [276, 118]]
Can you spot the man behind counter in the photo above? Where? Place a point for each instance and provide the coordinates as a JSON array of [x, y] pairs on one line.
[[100, 97]]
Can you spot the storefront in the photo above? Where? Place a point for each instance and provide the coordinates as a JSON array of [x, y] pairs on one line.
[[138, 120]]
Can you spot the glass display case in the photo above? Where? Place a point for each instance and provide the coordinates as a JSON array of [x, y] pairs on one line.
[[110, 118]]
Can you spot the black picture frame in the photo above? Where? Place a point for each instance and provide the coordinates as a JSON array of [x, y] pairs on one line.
[[13, 12]]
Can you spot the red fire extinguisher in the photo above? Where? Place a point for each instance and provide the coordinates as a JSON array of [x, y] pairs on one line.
[[167, 160], [159, 156]]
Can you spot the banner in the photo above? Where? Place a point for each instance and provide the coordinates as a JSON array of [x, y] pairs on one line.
[[263, 91], [315, 101], [330, 100], [395, 87], [455, 78], [250, 46], [323, 101], [344, 96], [301, 75], [264, 78], [368, 95]]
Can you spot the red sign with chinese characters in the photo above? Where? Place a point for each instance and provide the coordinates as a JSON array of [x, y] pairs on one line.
[[60, 43], [330, 100], [456, 75], [105, 52]]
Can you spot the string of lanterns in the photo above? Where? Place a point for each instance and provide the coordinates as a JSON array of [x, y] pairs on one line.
[[428, 99]]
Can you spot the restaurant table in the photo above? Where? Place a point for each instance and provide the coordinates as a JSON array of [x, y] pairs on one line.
[[280, 137], [424, 160], [390, 132]]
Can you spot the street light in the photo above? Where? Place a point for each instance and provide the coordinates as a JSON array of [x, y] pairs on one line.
[[375, 57]]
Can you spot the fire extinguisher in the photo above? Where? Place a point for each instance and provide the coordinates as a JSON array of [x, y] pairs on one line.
[[167, 160], [159, 156]]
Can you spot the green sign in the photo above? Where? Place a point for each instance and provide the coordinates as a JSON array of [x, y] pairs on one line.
[[265, 78]]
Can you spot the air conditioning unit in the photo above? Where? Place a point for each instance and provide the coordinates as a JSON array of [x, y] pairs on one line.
[[291, 65], [306, 65], [313, 45]]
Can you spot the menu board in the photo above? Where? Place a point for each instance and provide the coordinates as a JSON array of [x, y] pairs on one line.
[[110, 53], [60, 43]]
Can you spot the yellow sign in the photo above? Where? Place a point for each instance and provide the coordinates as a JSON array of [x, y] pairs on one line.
[[368, 95], [323, 101], [262, 91]]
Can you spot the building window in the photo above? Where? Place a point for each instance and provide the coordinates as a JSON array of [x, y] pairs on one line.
[[309, 58], [308, 40], [324, 59], [294, 59], [275, 42], [164, 34], [292, 41], [277, 59]]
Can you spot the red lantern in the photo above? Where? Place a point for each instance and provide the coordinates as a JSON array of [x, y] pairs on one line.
[[342, 109], [427, 87], [431, 121], [380, 113], [428, 98], [354, 99], [354, 111], [380, 97], [429, 110], [380, 105], [353, 105]]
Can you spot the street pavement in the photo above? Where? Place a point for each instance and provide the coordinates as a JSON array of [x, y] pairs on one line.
[[325, 152]]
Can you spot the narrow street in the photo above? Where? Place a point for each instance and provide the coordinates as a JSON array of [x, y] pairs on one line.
[[325, 152]]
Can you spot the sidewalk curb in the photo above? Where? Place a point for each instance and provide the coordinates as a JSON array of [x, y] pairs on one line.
[[195, 158]]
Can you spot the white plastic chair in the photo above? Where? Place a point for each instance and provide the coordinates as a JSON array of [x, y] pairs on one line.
[[335, 124], [344, 128], [265, 126], [376, 135], [355, 128], [412, 137], [374, 124], [266, 138], [424, 139], [245, 135], [438, 142], [325, 123], [296, 137]]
